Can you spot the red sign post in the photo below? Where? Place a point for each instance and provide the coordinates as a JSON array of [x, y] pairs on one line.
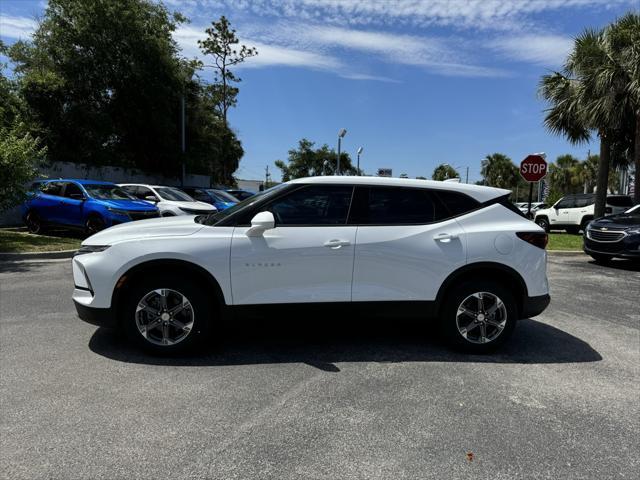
[[533, 169]]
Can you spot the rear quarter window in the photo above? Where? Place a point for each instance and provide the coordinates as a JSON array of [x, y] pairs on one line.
[[457, 203]]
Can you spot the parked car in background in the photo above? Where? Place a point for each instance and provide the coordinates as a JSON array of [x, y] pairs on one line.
[[573, 212], [535, 206], [218, 198], [169, 200], [459, 255], [614, 236], [89, 205], [239, 194]]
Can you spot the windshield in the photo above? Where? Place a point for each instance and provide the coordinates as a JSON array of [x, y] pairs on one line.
[[221, 196], [214, 218], [635, 209], [173, 194], [107, 192]]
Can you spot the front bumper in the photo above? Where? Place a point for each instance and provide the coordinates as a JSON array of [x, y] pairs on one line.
[[629, 247], [101, 317], [533, 306]]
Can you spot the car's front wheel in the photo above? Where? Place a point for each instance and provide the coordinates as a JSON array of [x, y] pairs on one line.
[[479, 316], [543, 223], [166, 314], [94, 224]]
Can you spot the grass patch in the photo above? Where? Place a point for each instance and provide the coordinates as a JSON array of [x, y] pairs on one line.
[[15, 241], [565, 241]]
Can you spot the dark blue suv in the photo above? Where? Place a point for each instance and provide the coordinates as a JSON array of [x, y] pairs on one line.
[[82, 204]]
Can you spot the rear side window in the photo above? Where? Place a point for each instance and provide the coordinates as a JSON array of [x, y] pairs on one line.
[[52, 188], [622, 201], [566, 202], [394, 206], [314, 205], [456, 203], [584, 202]]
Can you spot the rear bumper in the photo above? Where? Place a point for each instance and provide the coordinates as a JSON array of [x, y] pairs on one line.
[[101, 317], [532, 306]]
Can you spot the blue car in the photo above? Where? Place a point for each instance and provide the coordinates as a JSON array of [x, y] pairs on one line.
[[81, 204], [218, 198]]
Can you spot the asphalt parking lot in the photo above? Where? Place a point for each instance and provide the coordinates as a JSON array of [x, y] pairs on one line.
[[322, 398]]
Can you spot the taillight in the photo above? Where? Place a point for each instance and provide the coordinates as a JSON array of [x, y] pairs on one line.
[[538, 239]]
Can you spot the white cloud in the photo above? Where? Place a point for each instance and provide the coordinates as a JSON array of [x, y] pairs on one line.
[[268, 55], [546, 50], [483, 14], [16, 27], [441, 56]]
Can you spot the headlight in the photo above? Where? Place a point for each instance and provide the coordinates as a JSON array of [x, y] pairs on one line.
[[117, 211], [634, 231], [91, 249]]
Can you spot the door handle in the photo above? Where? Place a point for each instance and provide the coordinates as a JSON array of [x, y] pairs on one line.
[[336, 244], [446, 237]]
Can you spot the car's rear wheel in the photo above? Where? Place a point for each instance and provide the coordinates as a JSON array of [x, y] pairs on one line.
[[34, 222], [543, 223], [94, 224], [479, 316], [602, 259], [166, 314]]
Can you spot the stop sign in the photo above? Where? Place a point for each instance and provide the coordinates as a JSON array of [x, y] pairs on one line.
[[533, 168]]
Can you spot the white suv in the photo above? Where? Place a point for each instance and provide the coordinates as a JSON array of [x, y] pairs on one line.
[[573, 212], [169, 200], [459, 253]]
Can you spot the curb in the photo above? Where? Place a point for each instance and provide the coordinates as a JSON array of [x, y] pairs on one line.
[[37, 255], [565, 252]]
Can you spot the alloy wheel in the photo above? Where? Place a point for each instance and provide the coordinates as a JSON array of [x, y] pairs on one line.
[[481, 317], [164, 317]]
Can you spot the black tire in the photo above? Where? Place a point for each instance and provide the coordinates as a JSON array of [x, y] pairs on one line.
[[452, 323], [34, 222], [94, 224], [200, 307], [543, 223], [584, 223], [601, 259]]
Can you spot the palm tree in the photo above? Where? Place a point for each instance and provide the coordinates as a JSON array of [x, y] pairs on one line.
[[444, 171], [595, 92], [498, 170]]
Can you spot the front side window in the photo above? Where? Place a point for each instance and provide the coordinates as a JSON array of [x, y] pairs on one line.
[[313, 205], [107, 192], [394, 206], [73, 191], [567, 202]]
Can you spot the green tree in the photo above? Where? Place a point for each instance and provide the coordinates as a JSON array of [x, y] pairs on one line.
[[20, 156], [444, 171], [222, 45], [305, 161], [598, 91], [102, 82], [498, 170]]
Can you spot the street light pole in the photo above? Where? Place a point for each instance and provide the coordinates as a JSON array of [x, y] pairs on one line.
[[341, 134], [183, 143], [359, 151]]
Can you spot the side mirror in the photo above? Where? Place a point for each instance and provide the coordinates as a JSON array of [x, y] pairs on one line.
[[151, 198], [262, 222]]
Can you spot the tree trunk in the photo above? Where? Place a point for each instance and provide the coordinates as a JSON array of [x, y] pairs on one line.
[[636, 158], [603, 176]]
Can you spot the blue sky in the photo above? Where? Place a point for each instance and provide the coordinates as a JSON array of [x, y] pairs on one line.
[[416, 83]]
